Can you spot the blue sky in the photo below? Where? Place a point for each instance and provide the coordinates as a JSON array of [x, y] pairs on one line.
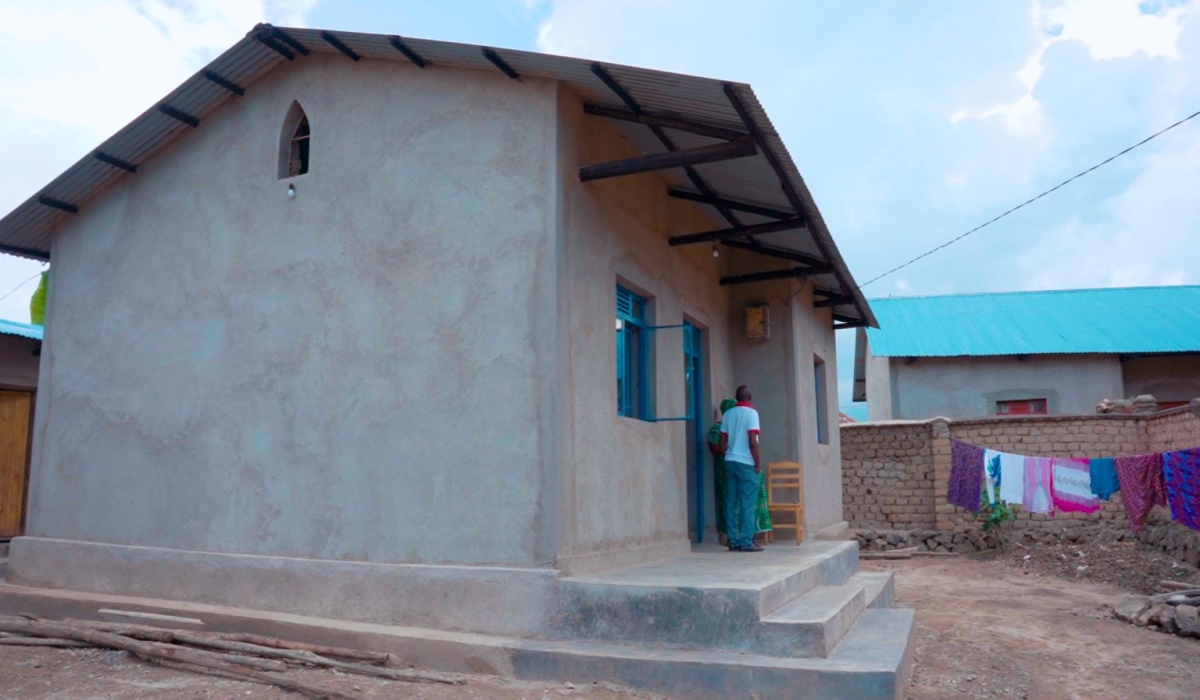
[[911, 121]]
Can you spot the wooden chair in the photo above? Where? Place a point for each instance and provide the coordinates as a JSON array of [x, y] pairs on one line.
[[788, 478]]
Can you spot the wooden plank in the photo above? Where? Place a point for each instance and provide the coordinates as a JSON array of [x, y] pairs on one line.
[[14, 444]]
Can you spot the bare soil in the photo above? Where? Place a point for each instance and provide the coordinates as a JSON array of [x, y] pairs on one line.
[[1129, 565], [40, 673], [994, 628]]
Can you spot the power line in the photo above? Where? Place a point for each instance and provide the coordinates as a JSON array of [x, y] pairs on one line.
[[1027, 202], [14, 289]]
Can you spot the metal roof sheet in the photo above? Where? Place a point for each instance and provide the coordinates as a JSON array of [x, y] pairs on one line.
[[25, 330], [769, 179], [1108, 321]]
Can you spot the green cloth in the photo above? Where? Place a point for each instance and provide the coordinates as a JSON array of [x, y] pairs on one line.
[[37, 305], [720, 487]]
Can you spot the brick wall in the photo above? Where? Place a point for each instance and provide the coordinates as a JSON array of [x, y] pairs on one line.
[[895, 474]]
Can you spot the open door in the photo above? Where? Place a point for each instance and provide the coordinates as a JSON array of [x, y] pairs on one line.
[[16, 412]]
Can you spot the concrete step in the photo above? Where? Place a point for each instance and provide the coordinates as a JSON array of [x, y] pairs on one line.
[[871, 662], [710, 599], [813, 624], [880, 587]]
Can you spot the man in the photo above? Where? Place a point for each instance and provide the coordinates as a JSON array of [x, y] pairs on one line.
[[743, 471]]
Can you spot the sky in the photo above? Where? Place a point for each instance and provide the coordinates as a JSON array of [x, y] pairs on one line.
[[911, 122]]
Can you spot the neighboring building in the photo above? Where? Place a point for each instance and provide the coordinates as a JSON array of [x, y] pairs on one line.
[[20, 346], [336, 336], [1052, 353]]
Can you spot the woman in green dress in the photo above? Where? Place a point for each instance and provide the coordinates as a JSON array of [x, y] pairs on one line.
[[761, 512]]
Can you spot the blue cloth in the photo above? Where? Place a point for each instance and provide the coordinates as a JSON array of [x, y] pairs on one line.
[[1104, 477], [741, 495]]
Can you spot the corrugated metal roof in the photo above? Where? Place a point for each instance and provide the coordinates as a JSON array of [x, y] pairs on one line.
[[25, 330], [1108, 321], [26, 231]]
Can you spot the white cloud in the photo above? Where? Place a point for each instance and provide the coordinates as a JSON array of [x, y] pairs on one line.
[[1110, 29], [74, 72], [1143, 236]]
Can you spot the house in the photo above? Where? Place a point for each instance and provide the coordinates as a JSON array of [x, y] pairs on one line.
[[430, 334], [20, 345], [1050, 352]]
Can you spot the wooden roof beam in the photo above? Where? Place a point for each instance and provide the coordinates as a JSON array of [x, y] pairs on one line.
[[741, 148], [736, 232], [668, 122]]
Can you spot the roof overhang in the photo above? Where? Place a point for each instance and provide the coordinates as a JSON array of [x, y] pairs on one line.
[[752, 187]]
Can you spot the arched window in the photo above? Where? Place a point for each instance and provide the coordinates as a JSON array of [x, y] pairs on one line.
[[294, 143]]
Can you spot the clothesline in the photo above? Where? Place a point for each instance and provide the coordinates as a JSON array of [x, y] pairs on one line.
[[1075, 485]]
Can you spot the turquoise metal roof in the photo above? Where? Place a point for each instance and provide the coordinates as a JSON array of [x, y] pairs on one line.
[[25, 330], [1107, 321]]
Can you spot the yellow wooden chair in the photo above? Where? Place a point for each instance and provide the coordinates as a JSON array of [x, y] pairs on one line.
[[785, 494]]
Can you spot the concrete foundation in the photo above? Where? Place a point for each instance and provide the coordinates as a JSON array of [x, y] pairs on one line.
[[789, 622]]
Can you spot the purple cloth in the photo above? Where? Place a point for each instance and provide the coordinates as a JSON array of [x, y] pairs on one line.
[[1142, 488], [966, 476], [1181, 471]]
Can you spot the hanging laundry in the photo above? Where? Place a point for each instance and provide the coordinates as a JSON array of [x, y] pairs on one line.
[[991, 475], [1039, 485], [1181, 472], [966, 476], [1012, 478], [1103, 474], [1142, 486], [1073, 486]]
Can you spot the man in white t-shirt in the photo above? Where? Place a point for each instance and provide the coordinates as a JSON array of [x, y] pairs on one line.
[[743, 473]]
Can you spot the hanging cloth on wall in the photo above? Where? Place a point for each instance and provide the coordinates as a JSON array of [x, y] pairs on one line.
[[1103, 475], [1073, 486], [991, 475], [1181, 472], [1039, 485], [966, 476], [1142, 486], [1012, 478]]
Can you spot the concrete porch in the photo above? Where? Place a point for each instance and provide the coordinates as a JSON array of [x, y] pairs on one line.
[[790, 622]]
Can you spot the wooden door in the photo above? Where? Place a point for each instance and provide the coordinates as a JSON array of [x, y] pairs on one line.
[[15, 416]]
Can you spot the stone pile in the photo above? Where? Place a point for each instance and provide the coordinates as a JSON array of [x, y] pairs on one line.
[[1173, 539], [1139, 404], [1176, 613], [962, 541]]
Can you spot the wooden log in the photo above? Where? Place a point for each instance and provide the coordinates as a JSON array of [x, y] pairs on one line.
[[935, 554], [152, 651], [297, 655], [14, 640], [1177, 585], [375, 657]]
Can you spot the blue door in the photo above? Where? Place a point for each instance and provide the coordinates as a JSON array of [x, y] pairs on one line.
[[693, 355]]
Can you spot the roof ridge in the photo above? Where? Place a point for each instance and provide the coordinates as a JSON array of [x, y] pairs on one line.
[[1085, 290]]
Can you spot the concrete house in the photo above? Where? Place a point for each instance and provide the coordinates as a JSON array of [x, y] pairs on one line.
[[429, 334], [1020, 353]]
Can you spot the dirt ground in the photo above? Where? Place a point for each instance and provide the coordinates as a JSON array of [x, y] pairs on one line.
[[992, 628], [28, 673]]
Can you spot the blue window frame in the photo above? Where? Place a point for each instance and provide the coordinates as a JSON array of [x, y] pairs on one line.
[[631, 354], [822, 400]]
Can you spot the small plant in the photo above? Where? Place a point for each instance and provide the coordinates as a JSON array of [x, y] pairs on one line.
[[994, 515]]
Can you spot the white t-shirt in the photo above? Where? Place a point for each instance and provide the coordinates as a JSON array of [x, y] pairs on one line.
[[738, 423]]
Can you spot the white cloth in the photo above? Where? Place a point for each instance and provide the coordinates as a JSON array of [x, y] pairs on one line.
[[991, 475], [738, 423], [1012, 478]]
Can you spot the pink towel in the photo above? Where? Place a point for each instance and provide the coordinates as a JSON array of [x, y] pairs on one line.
[[1039, 484], [1072, 491]]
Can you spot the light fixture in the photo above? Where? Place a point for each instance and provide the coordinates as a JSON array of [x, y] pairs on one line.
[[291, 190], [716, 253]]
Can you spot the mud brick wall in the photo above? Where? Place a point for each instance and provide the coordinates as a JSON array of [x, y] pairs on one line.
[[895, 474], [889, 481]]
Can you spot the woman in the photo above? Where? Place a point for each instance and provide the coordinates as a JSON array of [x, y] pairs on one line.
[[761, 512]]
